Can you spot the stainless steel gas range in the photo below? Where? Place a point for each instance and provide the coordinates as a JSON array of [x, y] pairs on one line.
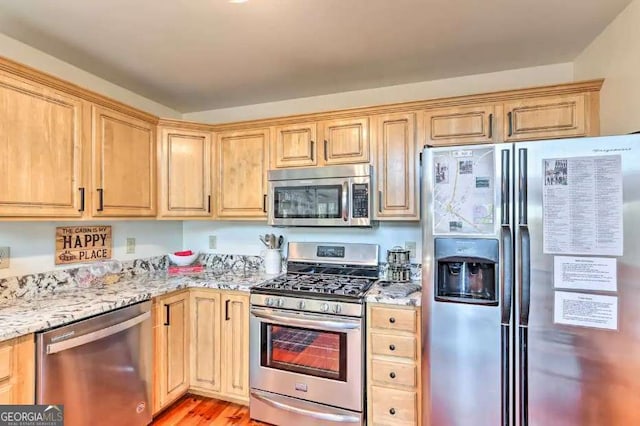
[[307, 336]]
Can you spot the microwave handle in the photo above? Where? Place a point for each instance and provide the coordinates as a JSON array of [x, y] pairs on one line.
[[345, 201]]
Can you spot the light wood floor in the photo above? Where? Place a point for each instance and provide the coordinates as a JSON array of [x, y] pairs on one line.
[[197, 410]]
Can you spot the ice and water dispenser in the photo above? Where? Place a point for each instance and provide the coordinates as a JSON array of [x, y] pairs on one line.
[[467, 270]]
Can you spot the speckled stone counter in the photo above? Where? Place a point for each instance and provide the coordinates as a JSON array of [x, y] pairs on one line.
[[378, 294], [27, 315]]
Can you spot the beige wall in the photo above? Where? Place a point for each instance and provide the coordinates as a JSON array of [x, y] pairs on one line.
[[20, 52], [479, 83], [615, 56]]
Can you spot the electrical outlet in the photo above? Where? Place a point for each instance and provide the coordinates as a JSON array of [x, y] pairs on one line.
[[5, 256], [411, 246], [131, 245], [213, 242]]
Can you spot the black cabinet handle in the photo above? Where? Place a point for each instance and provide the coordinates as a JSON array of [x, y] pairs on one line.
[[392, 375], [167, 313], [81, 209], [312, 153], [510, 120], [392, 320], [226, 310], [490, 126], [325, 150], [264, 203], [392, 347], [392, 411], [209, 204], [100, 199], [379, 201]]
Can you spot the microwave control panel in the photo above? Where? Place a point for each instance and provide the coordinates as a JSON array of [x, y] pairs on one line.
[[360, 193]]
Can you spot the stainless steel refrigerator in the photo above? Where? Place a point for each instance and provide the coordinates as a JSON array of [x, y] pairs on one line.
[[531, 283]]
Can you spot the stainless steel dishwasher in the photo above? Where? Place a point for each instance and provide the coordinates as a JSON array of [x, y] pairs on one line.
[[99, 368]]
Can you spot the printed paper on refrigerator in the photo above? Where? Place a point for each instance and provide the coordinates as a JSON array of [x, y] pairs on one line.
[[585, 273], [582, 205], [586, 310]]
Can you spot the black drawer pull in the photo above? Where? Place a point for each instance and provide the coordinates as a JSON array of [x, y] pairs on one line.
[[392, 411], [167, 310], [392, 320], [392, 347], [392, 375]]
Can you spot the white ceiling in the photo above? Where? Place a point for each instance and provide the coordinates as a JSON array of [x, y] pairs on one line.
[[194, 55]]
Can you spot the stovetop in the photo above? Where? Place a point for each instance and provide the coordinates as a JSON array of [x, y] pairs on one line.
[[325, 286]]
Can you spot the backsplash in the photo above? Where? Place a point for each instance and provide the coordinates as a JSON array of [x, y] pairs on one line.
[[34, 285]]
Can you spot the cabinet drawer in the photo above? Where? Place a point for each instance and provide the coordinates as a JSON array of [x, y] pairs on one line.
[[393, 407], [393, 373], [393, 319], [5, 362], [386, 344]]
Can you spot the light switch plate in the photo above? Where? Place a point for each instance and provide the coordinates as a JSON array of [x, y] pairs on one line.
[[5, 257], [213, 242], [131, 245]]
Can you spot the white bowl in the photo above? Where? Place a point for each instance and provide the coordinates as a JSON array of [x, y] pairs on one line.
[[182, 260]]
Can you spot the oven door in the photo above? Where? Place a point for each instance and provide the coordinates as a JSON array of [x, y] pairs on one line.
[[319, 202], [314, 357]]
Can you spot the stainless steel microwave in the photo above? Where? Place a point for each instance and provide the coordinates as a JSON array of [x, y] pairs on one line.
[[320, 196]]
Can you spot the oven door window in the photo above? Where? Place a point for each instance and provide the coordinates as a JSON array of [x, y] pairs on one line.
[[301, 350], [308, 202]]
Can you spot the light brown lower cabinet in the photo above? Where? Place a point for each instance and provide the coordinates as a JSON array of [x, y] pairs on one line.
[[17, 370], [393, 365], [171, 348], [220, 344]]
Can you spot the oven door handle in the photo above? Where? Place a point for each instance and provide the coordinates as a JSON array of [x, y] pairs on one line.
[[329, 417], [345, 201], [309, 321]]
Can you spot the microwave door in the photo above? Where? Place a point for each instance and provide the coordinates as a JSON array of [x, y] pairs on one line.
[[310, 202]]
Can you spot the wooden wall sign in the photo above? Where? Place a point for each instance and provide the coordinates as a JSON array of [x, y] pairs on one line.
[[77, 244]]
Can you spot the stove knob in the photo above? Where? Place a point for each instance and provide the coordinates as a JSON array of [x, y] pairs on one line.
[[324, 307], [280, 303], [337, 308], [301, 304], [268, 301]]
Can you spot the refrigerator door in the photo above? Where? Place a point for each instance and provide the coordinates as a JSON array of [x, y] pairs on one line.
[[577, 364], [466, 285]]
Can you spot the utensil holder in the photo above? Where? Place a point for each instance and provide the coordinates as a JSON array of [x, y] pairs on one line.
[[272, 261]]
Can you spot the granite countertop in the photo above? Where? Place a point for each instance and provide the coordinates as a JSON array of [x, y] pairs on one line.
[[380, 293], [27, 315]]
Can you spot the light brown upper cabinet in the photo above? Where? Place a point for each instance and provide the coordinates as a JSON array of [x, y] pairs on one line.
[[345, 141], [547, 118], [295, 145], [41, 162], [397, 163], [124, 166], [461, 125], [184, 173], [241, 164]]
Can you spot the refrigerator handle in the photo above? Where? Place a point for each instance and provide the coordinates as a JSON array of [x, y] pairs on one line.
[[505, 390], [524, 273], [522, 183], [506, 273], [505, 191]]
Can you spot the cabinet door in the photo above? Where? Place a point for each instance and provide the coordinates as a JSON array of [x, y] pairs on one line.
[[295, 146], [545, 118], [185, 173], [124, 151], [17, 371], [346, 141], [41, 151], [397, 196], [172, 347], [461, 125], [206, 348], [236, 345], [242, 160]]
